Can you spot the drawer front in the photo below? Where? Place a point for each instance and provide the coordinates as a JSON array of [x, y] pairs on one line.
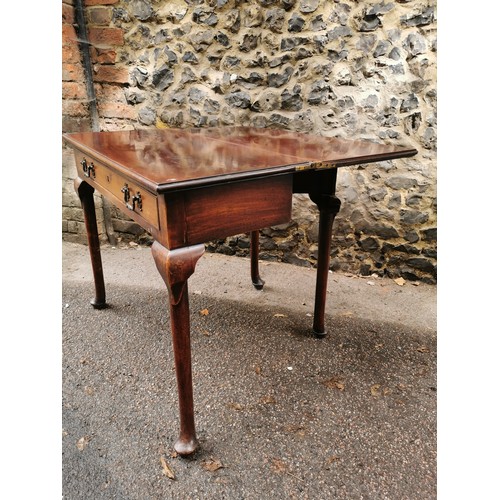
[[132, 199]]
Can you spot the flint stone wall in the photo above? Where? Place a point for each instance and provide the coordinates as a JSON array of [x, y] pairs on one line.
[[363, 70]]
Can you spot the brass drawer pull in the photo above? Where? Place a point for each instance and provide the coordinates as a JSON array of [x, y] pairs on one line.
[[136, 199], [88, 169]]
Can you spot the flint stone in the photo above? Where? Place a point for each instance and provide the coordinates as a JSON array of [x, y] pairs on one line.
[[369, 23], [139, 76], [319, 94], [207, 17], [222, 39], [410, 103], [195, 96], [413, 217], [249, 43], [295, 23], [211, 107], [308, 6], [429, 234], [274, 20], [163, 78], [422, 265], [162, 36], [288, 4], [339, 32], [400, 182], [201, 41], [336, 56], [291, 101], [141, 9], [279, 61], [147, 116], [369, 244], [187, 76], [238, 100], [134, 97], [423, 19], [382, 48], [317, 24], [380, 8], [415, 44], [411, 237], [233, 20], [407, 249], [190, 57], [277, 80]]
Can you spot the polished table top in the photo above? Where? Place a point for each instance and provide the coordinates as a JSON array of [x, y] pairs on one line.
[[166, 159]]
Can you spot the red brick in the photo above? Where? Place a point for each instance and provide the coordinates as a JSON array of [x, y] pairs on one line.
[[105, 36], [74, 90], [100, 2], [110, 74], [72, 72], [103, 56], [70, 54], [74, 108], [106, 93], [69, 34], [116, 110], [100, 15], [68, 14]]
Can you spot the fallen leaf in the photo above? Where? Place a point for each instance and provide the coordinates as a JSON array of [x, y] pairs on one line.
[[423, 348], [379, 346], [374, 389], [89, 391], [370, 283], [347, 313], [82, 443], [258, 370], [279, 315], [278, 465], [334, 383], [333, 458], [212, 465], [166, 468], [400, 281], [204, 312], [206, 332], [415, 283], [267, 400], [235, 406], [300, 430]]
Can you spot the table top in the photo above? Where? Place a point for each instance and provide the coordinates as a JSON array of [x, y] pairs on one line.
[[167, 159]]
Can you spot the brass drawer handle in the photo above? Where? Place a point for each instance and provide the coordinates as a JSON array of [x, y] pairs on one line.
[[88, 169], [136, 199]]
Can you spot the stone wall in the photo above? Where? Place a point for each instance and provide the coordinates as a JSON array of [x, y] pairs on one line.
[[337, 68]]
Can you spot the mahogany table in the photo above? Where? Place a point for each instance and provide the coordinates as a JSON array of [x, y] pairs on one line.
[[190, 186]]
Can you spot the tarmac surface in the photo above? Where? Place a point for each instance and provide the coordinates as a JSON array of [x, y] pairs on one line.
[[280, 414]]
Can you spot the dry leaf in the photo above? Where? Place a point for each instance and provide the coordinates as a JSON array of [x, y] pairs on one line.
[[333, 458], [374, 389], [295, 429], [235, 406], [379, 346], [279, 315], [212, 465], [258, 370], [167, 469], [400, 281], [89, 391], [347, 313], [82, 443], [278, 465], [204, 312], [423, 348], [334, 383], [267, 400]]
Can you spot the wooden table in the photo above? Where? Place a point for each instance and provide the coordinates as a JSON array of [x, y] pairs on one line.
[[189, 186]]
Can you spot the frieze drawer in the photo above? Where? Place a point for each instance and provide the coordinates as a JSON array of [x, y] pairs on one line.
[[134, 200]]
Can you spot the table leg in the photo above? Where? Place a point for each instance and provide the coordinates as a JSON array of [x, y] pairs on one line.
[[175, 267], [329, 206], [257, 281], [86, 193]]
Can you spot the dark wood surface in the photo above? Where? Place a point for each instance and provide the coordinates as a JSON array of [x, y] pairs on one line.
[[165, 159]]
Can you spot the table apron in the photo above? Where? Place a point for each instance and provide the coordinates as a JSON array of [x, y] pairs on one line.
[[204, 214]]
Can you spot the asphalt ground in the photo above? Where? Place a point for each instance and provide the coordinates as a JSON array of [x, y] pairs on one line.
[[280, 414]]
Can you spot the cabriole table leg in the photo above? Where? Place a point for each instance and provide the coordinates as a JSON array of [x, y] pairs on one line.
[[175, 267], [257, 281], [86, 194], [329, 206]]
